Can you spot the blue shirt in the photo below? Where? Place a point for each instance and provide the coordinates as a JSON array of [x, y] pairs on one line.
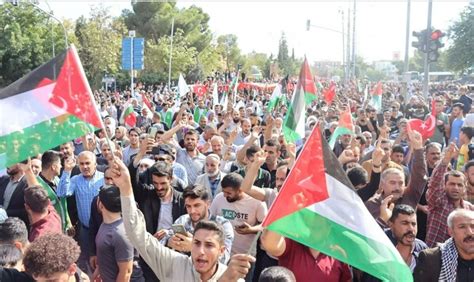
[[456, 130], [84, 189], [180, 172]]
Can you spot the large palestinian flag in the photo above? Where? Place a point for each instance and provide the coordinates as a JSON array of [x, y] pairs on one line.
[[49, 106], [317, 208]]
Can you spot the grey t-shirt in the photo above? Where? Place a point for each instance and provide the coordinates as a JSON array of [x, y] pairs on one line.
[[113, 247], [166, 215]]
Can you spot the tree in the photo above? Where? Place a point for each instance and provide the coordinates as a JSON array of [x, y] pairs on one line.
[[157, 58], [100, 43], [229, 50], [461, 33], [283, 58], [26, 40]]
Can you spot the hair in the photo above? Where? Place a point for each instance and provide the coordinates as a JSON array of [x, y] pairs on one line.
[[211, 226], [161, 169], [398, 149], [50, 254], [218, 138], [137, 130], [468, 131], [196, 192], [358, 175], [232, 180], [468, 165], [110, 199], [192, 132], [252, 150], [13, 229], [214, 157], [401, 209], [456, 213], [273, 143], [458, 105], [362, 139], [277, 274], [391, 170], [49, 158], [431, 145], [10, 255], [37, 199], [453, 173]]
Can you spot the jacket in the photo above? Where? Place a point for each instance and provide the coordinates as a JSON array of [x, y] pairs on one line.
[[168, 265], [16, 207], [428, 266], [203, 180]]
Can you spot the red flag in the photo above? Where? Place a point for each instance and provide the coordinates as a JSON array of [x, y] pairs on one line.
[[378, 90], [329, 93], [199, 89], [426, 128]]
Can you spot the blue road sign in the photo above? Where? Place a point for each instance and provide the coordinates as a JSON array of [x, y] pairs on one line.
[[138, 53]]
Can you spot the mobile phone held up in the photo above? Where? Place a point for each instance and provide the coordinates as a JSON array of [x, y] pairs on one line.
[[178, 228]]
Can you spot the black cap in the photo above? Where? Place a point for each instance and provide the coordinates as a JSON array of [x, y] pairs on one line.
[[110, 198]]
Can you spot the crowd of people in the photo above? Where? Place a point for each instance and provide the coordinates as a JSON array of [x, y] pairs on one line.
[[180, 195]]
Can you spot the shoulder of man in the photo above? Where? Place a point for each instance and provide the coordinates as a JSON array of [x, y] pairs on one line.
[[428, 265]]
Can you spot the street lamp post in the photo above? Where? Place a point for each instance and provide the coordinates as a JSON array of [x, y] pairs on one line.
[[308, 25]]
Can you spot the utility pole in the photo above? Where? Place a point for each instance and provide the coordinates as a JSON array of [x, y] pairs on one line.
[[343, 45], [348, 55], [353, 40], [131, 34], [407, 37], [426, 78]]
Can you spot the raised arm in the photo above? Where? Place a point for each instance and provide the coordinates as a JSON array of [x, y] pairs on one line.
[[157, 256], [250, 176], [417, 183], [66, 186], [435, 195], [273, 243]]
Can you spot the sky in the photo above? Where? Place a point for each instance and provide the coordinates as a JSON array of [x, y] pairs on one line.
[[380, 24]]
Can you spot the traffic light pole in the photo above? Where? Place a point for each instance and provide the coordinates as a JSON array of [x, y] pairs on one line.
[[426, 77]]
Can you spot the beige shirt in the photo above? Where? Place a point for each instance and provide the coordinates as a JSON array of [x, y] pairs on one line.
[[167, 264], [247, 210]]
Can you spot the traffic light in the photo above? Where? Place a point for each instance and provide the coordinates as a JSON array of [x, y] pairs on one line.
[[308, 24], [434, 45], [421, 44]]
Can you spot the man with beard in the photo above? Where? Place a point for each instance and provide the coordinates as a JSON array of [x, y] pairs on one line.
[[190, 157], [244, 212], [432, 155], [168, 265], [211, 180], [445, 194], [12, 187], [402, 233], [197, 201], [272, 148], [392, 181], [244, 133], [454, 259]]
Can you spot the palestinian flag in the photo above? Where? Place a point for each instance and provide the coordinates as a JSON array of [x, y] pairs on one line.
[[345, 126], [330, 93], [275, 98], [318, 208], [59, 204], [49, 106], [293, 126], [128, 116], [376, 100], [307, 82]]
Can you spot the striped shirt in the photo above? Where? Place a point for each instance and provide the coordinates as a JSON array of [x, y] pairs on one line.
[[194, 165], [84, 190]]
